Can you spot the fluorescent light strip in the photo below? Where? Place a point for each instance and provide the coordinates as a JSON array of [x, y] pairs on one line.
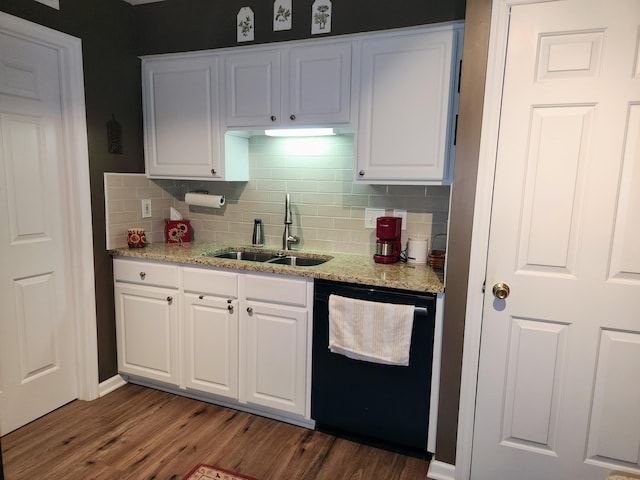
[[300, 132]]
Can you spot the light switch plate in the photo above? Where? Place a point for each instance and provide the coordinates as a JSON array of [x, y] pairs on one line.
[[146, 208], [370, 216], [401, 213]]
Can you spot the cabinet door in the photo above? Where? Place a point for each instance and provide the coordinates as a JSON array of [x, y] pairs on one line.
[[276, 356], [405, 102], [253, 88], [320, 85], [211, 345], [146, 329], [181, 117]]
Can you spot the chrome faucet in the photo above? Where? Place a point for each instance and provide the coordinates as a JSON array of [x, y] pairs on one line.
[[287, 238]]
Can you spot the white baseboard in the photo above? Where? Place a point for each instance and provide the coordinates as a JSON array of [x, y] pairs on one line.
[[441, 471], [110, 385]]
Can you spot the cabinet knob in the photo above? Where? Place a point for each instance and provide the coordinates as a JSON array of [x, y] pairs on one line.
[[230, 308], [292, 116], [213, 171], [142, 275], [361, 173], [249, 310], [201, 297], [169, 299], [273, 118]]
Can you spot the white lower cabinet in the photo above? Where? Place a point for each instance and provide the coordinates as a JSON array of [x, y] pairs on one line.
[[241, 339], [277, 342], [210, 331], [147, 307]]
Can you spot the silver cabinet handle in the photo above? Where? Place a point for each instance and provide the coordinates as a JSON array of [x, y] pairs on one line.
[[142, 275], [169, 299], [249, 310], [292, 117], [230, 308], [213, 171], [361, 173], [273, 118]]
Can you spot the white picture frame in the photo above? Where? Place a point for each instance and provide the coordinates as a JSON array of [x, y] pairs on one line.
[[245, 25], [282, 15], [321, 17]]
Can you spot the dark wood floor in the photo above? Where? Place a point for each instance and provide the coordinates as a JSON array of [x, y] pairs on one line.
[[138, 433]]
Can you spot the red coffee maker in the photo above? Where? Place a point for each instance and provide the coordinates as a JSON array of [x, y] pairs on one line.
[[388, 231]]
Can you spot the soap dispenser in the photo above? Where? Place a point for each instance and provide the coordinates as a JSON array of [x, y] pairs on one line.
[[258, 233]]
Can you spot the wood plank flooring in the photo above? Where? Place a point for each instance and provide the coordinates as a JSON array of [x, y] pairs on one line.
[[137, 433]]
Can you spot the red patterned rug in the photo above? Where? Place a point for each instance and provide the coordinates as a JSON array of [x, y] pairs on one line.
[[208, 472]]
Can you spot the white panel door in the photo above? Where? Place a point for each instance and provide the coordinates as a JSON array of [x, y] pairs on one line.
[[405, 104], [253, 88], [182, 117], [558, 387], [276, 353], [319, 85], [37, 325], [211, 344], [147, 331]]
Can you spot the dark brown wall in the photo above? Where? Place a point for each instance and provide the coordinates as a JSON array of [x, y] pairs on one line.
[[476, 42], [182, 25], [112, 86]]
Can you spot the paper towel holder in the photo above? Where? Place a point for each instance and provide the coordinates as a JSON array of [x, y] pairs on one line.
[[203, 192], [206, 192]]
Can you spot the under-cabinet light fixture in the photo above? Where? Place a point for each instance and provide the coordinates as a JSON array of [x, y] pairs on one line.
[[300, 132]]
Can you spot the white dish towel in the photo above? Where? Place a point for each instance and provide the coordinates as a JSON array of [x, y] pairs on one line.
[[371, 331]]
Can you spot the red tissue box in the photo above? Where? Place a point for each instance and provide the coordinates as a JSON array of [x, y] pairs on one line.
[[177, 231]]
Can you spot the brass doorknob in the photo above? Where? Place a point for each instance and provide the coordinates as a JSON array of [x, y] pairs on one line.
[[501, 290]]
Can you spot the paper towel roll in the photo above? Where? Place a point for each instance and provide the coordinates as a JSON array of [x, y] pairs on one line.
[[204, 200]]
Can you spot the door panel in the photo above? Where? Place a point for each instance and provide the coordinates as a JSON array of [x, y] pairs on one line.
[[625, 254], [557, 394], [537, 352], [612, 435]]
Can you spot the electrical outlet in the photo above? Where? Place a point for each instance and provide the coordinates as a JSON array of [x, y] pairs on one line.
[[146, 208], [370, 216], [401, 213]]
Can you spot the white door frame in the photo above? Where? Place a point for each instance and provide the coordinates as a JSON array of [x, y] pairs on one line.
[[481, 223], [76, 190]]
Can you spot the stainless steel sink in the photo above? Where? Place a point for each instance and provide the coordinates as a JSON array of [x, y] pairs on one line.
[[298, 261], [243, 255], [277, 258]]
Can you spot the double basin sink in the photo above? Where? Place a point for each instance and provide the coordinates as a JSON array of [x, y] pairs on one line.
[[277, 258]]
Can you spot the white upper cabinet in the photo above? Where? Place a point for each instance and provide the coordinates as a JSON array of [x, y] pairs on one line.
[[320, 85], [181, 107], [305, 85], [253, 88], [407, 108]]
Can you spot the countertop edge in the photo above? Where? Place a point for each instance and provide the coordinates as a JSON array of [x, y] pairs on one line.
[[343, 267]]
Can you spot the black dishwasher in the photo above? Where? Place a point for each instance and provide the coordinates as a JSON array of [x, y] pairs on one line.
[[382, 405]]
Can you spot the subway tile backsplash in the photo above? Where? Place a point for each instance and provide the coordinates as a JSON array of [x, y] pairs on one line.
[[328, 208]]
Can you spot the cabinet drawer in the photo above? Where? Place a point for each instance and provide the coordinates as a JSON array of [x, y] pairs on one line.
[[212, 282], [287, 291], [145, 273]]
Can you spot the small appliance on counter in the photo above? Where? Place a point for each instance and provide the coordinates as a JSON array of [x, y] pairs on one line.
[[257, 239], [388, 231]]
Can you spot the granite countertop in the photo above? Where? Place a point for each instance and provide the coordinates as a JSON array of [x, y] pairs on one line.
[[343, 267]]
